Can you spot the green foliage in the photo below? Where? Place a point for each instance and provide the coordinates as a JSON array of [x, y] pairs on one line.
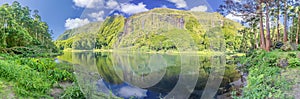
[[18, 28], [294, 62], [110, 30], [265, 82], [150, 31], [73, 92], [33, 76], [265, 79], [90, 28]]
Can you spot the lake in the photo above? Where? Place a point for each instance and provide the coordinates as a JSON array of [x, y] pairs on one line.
[[151, 76]]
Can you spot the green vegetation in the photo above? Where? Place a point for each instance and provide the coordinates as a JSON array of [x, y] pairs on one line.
[[33, 77], [82, 38], [157, 30], [26, 47], [26, 67], [89, 28], [273, 48], [19, 31], [265, 79]]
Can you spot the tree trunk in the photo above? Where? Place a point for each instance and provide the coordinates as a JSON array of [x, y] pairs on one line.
[[298, 29], [268, 39], [285, 38], [262, 35], [293, 30], [278, 18]]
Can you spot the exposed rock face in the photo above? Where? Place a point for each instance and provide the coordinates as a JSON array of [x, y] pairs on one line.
[[159, 29]]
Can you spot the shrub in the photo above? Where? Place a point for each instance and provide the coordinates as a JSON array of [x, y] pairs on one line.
[[73, 92], [264, 79], [294, 62], [33, 76]]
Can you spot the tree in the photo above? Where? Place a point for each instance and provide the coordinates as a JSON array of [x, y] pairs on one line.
[[20, 29], [249, 10], [268, 39], [285, 34], [298, 25], [278, 18]]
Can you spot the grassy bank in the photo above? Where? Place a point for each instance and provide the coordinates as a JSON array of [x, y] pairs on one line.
[[25, 77], [266, 77]]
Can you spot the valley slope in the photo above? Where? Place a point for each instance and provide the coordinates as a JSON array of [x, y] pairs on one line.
[[160, 29]]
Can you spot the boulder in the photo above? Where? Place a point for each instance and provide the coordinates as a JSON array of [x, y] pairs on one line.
[[278, 45], [288, 46], [283, 63]]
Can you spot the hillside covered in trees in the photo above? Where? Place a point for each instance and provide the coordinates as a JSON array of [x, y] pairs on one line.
[[23, 32], [270, 23], [156, 30]]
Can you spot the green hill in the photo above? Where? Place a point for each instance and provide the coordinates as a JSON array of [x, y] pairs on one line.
[[89, 28], [161, 29]]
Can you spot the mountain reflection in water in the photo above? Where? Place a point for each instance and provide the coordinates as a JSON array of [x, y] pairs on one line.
[[146, 76]]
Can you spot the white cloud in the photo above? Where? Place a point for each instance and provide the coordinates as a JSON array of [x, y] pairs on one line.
[[111, 4], [233, 17], [89, 3], [201, 8], [132, 8], [97, 15], [74, 23], [179, 3], [164, 6], [129, 91], [237, 0]]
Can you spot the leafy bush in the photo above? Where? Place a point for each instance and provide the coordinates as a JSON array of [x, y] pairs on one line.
[[265, 82], [294, 62], [29, 81], [33, 76], [73, 92], [264, 79]]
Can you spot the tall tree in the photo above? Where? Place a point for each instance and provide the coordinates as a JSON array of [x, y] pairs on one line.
[[249, 10], [298, 25], [268, 39], [262, 34], [278, 19], [285, 34]]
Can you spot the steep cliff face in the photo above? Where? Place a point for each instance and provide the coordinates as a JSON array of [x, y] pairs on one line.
[[164, 29], [152, 30], [109, 32]]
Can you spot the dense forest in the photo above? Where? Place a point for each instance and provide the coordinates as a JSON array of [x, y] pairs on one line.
[[23, 31], [271, 37], [270, 23], [27, 67]]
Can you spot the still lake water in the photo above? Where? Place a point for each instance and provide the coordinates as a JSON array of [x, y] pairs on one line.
[[151, 76]]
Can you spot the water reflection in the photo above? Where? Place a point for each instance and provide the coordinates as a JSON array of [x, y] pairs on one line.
[[148, 76]]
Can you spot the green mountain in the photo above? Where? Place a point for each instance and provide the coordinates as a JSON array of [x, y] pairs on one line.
[[88, 28], [161, 29], [83, 37]]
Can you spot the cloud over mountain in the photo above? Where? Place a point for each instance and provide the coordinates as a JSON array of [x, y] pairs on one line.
[[74, 23]]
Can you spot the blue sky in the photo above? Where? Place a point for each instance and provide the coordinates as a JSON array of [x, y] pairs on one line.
[[67, 14]]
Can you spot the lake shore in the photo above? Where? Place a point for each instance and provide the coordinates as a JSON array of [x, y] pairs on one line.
[[169, 52]]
